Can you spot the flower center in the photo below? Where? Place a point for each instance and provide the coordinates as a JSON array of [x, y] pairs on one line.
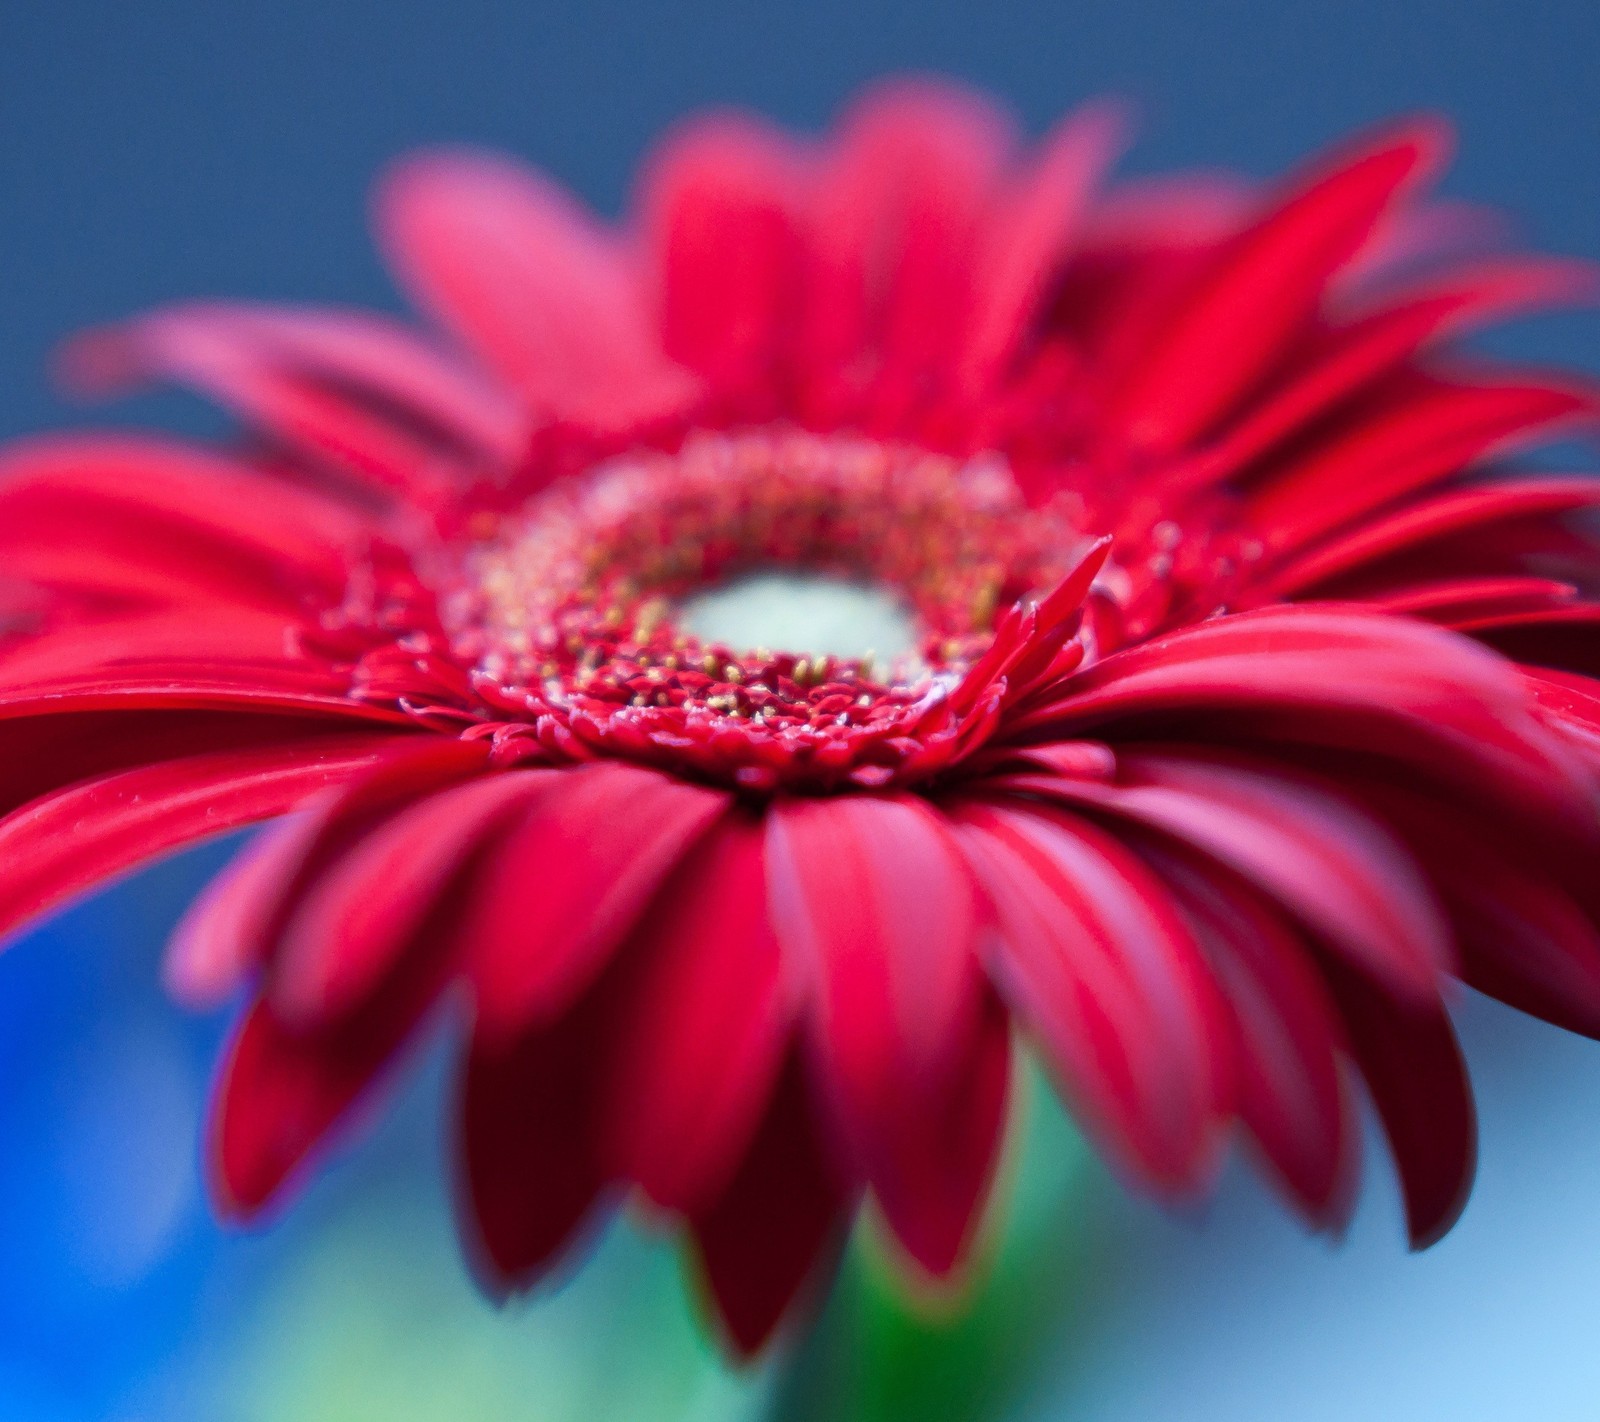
[[836, 617], [764, 607]]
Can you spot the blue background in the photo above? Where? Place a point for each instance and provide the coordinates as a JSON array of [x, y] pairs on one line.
[[155, 151]]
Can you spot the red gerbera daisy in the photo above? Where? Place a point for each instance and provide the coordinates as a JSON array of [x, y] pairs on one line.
[[1248, 699]]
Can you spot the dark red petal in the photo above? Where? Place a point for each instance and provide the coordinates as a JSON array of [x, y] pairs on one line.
[[531, 1173], [567, 884], [1413, 1068], [1260, 290], [873, 904], [531, 283], [703, 1024], [74, 839], [353, 922], [774, 1226], [1092, 954]]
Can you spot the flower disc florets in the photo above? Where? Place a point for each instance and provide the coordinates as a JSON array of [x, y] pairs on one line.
[[567, 611]]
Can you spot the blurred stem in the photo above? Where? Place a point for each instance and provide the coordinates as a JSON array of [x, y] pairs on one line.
[[880, 1354]]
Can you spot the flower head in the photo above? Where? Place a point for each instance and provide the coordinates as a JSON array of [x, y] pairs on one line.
[[1247, 700]]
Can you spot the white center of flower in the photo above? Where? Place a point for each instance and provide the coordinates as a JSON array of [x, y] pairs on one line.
[[804, 613]]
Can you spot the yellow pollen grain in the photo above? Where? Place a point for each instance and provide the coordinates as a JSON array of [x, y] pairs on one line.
[[652, 615]]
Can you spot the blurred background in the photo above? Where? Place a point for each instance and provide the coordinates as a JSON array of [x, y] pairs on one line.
[[155, 151]]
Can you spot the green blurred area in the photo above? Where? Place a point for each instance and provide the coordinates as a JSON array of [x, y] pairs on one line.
[[373, 1318], [885, 1353]]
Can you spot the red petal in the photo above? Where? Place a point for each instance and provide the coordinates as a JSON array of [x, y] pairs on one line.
[[242, 690], [236, 924], [531, 1173], [566, 886], [1524, 906], [230, 638], [350, 926], [76, 838], [872, 902], [1424, 699], [1030, 236], [281, 1093], [1092, 954], [723, 199], [890, 286], [144, 508], [769, 1233], [531, 283], [1292, 1096], [1413, 1068], [374, 363], [1432, 430], [1351, 358], [703, 1025], [1338, 870], [219, 942], [1460, 510], [1262, 288]]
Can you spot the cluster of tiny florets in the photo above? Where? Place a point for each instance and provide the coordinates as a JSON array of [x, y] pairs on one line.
[[554, 628]]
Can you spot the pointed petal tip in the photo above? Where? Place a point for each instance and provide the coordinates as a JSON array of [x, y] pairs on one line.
[[1419, 146]]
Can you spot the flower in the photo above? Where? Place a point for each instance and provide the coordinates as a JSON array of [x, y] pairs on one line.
[[1251, 700]]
